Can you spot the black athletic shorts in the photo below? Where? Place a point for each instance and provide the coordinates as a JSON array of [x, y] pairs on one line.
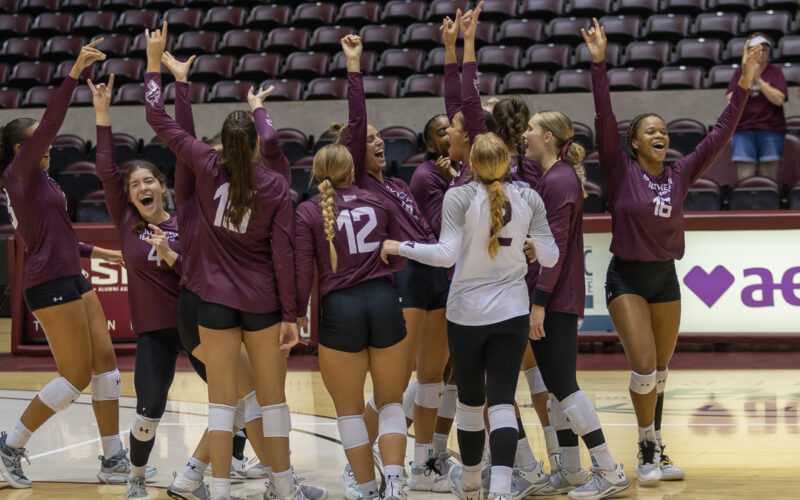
[[420, 286], [56, 292], [364, 315], [188, 319], [218, 317], [654, 281]]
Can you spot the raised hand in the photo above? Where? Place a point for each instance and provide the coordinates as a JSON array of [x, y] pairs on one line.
[[750, 58], [101, 98], [351, 44], [256, 100], [596, 41], [89, 55], [445, 168], [450, 29], [469, 22], [156, 43], [180, 70]]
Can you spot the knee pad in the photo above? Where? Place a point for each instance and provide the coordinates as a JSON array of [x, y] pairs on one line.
[[106, 386], [429, 395], [661, 380], [409, 397], [447, 408], [277, 422], [144, 428], [58, 394], [643, 384], [502, 416], [581, 414], [238, 416], [220, 417], [556, 413], [470, 418], [535, 380], [251, 409], [352, 431], [391, 420]]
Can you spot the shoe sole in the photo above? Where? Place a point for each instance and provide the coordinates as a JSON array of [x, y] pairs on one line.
[[648, 483], [676, 477], [178, 496], [112, 478], [11, 481], [609, 492], [431, 488]]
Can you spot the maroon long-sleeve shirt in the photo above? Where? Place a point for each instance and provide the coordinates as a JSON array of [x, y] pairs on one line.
[[647, 211], [464, 97], [250, 267]]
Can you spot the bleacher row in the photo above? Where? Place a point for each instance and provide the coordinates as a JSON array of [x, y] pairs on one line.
[[525, 46]]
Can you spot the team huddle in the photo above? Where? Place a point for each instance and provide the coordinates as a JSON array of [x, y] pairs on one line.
[[470, 275]]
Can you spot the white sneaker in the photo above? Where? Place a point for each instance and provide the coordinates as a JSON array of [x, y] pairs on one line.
[[351, 491], [394, 491], [427, 477], [649, 469], [257, 472], [524, 483], [444, 462], [116, 469], [184, 489], [601, 484], [670, 471], [137, 489], [563, 481], [238, 469], [310, 492], [456, 484], [11, 464]]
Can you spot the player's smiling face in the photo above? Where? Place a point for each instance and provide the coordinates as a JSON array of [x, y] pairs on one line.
[[651, 141], [376, 154], [146, 192]]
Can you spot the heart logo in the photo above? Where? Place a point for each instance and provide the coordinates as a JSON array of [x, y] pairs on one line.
[[709, 287]]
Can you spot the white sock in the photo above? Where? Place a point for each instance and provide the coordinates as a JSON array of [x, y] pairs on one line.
[[571, 457], [471, 477], [550, 439], [284, 483], [524, 458], [422, 453], [393, 471], [220, 487], [647, 433], [138, 471], [369, 489], [501, 480], [19, 435], [111, 445], [439, 444], [602, 457], [194, 469], [658, 437]]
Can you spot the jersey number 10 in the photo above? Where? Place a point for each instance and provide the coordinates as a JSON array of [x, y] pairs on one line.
[[222, 195]]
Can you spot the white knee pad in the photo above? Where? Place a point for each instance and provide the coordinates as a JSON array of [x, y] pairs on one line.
[[469, 418], [661, 380], [581, 414], [220, 417], [535, 380], [58, 394], [143, 428], [643, 384], [238, 417], [556, 413], [409, 396], [391, 420], [447, 408], [277, 422], [429, 395], [106, 386], [251, 409], [352, 431], [502, 416]]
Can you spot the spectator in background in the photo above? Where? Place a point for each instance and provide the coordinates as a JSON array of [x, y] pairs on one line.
[[759, 139]]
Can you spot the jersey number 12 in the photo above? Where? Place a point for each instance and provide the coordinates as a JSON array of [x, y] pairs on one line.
[[356, 242]]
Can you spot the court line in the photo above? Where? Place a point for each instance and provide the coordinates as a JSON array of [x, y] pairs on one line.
[[76, 445]]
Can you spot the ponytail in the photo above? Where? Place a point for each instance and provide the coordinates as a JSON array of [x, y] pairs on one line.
[[497, 202], [326, 192], [574, 156], [489, 160], [339, 131], [332, 166], [238, 147]]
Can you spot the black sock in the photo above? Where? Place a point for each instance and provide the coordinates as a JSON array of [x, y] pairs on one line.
[[521, 429], [594, 439], [503, 446], [659, 409], [470, 443], [567, 438], [140, 451], [238, 446]]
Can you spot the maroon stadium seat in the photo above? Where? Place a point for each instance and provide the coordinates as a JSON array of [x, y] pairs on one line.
[[338, 65], [498, 10], [704, 195], [92, 23], [423, 35], [724, 25], [306, 65], [241, 42], [235, 91], [20, 49], [691, 7], [439, 9], [622, 29], [755, 193], [311, 15], [791, 72], [92, 208], [14, 25], [567, 30], [51, 24], [672, 27], [285, 90], [224, 18], [328, 38], [28, 74], [212, 68], [789, 49], [195, 43], [542, 9], [589, 8], [719, 76], [788, 5], [500, 58], [358, 13], [136, 21], [5, 69], [525, 82], [681, 77], [647, 54], [789, 168], [629, 79], [424, 86], [700, 52], [403, 12], [685, 134], [487, 83], [115, 45], [572, 80], [10, 98], [549, 57], [38, 6], [258, 67], [9, 6], [401, 62], [130, 93], [327, 88], [740, 6], [115, 5], [380, 37], [205, 4], [197, 92], [584, 135], [583, 58], [65, 67], [636, 7], [523, 32], [400, 143], [125, 70], [381, 86], [38, 97], [294, 143], [267, 17], [181, 20], [436, 57], [735, 48], [287, 40], [771, 23], [62, 47], [593, 203], [484, 34]]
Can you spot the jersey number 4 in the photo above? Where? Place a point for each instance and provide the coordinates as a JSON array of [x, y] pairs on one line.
[[356, 241]]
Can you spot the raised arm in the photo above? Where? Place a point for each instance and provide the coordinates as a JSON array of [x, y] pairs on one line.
[[270, 149], [539, 230], [471, 107], [27, 159], [452, 78], [357, 108], [283, 253], [304, 252], [184, 177]]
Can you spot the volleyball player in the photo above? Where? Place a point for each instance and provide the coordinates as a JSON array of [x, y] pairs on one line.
[[646, 199], [487, 308], [422, 289], [55, 290], [244, 231]]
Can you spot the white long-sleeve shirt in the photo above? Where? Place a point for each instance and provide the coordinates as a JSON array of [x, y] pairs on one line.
[[486, 290]]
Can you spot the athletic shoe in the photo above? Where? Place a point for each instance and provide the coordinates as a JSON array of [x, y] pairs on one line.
[[11, 464], [649, 469], [136, 489], [116, 469], [524, 483], [602, 484], [297, 494], [670, 471], [257, 472], [486, 479], [500, 496], [395, 491], [454, 479], [310, 492], [444, 461], [563, 481], [238, 469], [351, 491], [184, 489], [427, 477]]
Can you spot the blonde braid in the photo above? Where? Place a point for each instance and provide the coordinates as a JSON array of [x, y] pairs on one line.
[[328, 216], [497, 202]]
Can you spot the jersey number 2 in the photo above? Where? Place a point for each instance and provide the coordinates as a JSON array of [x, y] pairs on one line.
[[356, 242], [506, 242]]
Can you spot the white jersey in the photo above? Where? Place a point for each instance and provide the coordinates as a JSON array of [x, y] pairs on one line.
[[485, 290]]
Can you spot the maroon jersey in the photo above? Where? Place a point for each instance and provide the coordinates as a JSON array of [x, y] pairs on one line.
[[187, 207], [36, 205], [153, 284], [759, 113], [525, 172], [428, 188], [647, 211], [561, 288], [395, 191], [249, 267], [464, 96], [362, 224]]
